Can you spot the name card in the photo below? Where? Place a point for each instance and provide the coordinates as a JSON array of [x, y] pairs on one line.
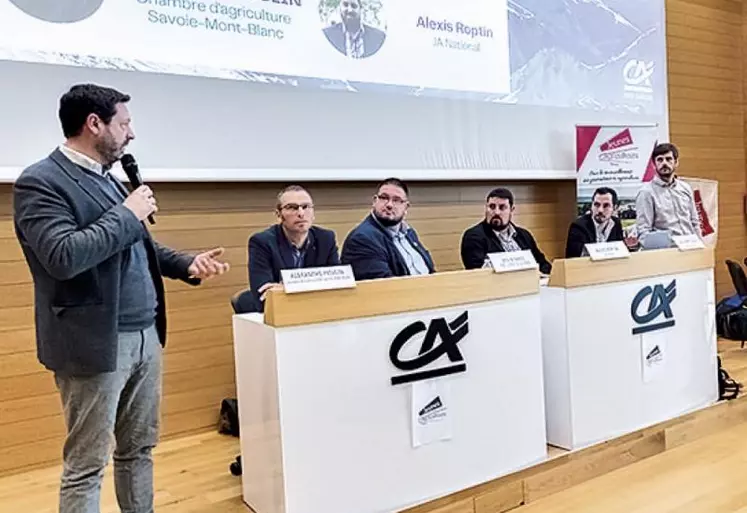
[[317, 278], [509, 261], [607, 250], [688, 242]]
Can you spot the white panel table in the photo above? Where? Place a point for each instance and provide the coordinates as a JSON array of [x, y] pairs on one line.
[[327, 418], [627, 343]]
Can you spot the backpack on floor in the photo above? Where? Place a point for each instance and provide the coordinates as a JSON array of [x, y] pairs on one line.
[[229, 417], [731, 318], [727, 388]]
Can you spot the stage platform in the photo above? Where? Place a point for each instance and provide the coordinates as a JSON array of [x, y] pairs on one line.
[[192, 472], [565, 469]]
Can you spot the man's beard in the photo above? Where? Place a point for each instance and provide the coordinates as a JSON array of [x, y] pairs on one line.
[[386, 221], [498, 224], [109, 152], [352, 23], [599, 218], [665, 170]]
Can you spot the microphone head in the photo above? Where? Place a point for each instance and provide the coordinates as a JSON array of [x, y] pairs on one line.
[[129, 166], [127, 160]]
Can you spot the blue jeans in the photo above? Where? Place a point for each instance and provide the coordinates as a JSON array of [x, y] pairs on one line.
[[116, 410]]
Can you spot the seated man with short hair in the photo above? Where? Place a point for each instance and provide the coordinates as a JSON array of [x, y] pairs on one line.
[[384, 245], [599, 225], [293, 243], [497, 233]]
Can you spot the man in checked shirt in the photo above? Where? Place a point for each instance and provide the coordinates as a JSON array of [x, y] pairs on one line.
[[351, 36], [666, 203]]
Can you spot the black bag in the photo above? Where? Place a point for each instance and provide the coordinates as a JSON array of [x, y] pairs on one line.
[[727, 388], [229, 417], [731, 318]]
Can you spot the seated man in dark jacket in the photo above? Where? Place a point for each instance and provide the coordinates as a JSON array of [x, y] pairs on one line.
[[597, 226], [291, 244], [497, 232], [383, 245]]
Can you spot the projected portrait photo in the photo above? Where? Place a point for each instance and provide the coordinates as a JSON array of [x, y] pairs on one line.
[[354, 27], [59, 11]]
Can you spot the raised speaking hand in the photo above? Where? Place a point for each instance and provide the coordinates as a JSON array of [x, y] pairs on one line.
[[206, 265]]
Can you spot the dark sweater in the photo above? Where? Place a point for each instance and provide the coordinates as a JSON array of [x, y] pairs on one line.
[[137, 294]]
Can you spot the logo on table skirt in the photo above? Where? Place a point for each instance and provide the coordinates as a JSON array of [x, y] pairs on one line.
[[434, 411], [450, 334], [657, 311], [654, 356]]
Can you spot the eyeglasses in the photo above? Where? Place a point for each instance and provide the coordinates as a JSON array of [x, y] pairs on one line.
[[385, 198], [295, 207], [497, 206]]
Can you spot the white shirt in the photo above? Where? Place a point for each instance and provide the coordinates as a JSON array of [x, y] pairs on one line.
[[507, 240], [603, 230], [83, 161], [354, 45], [413, 259], [666, 207]]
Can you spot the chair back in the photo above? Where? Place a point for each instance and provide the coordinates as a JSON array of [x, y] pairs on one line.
[[243, 302], [738, 277]]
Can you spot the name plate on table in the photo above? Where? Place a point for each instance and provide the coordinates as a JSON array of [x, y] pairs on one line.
[[607, 250], [509, 261], [318, 278], [687, 242]]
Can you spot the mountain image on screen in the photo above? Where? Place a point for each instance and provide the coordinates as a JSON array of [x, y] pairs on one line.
[[59, 11], [574, 52]]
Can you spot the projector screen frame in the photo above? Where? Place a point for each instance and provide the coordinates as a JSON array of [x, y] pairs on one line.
[[476, 149], [10, 174]]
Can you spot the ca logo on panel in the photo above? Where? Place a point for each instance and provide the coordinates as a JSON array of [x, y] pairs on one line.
[[651, 308], [449, 334]]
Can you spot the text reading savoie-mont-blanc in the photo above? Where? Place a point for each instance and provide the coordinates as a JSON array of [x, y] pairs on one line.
[[222, 17]]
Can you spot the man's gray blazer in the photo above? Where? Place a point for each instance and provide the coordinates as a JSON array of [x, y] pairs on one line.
[[74, 237]]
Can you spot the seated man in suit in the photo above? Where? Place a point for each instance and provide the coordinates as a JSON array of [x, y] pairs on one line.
[[384, 245], [497, 232], [291, 244], [597, 226], [352, 37]]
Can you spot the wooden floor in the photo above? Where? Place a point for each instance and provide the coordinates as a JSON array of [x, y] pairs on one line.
[[191, 475], [704, 475]]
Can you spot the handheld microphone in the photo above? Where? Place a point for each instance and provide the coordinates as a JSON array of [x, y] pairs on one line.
[[133, 174]]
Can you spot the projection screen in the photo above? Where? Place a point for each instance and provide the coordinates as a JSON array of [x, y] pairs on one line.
[[337, 89]]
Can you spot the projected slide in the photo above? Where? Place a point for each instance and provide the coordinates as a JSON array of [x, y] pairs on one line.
[[589, 54], [341, 89], [441, 44]]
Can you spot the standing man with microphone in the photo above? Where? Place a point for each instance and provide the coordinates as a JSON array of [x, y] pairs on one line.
[[99, 298]]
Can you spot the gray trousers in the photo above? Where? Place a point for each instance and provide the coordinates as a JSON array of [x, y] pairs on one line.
[[116, 411]]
